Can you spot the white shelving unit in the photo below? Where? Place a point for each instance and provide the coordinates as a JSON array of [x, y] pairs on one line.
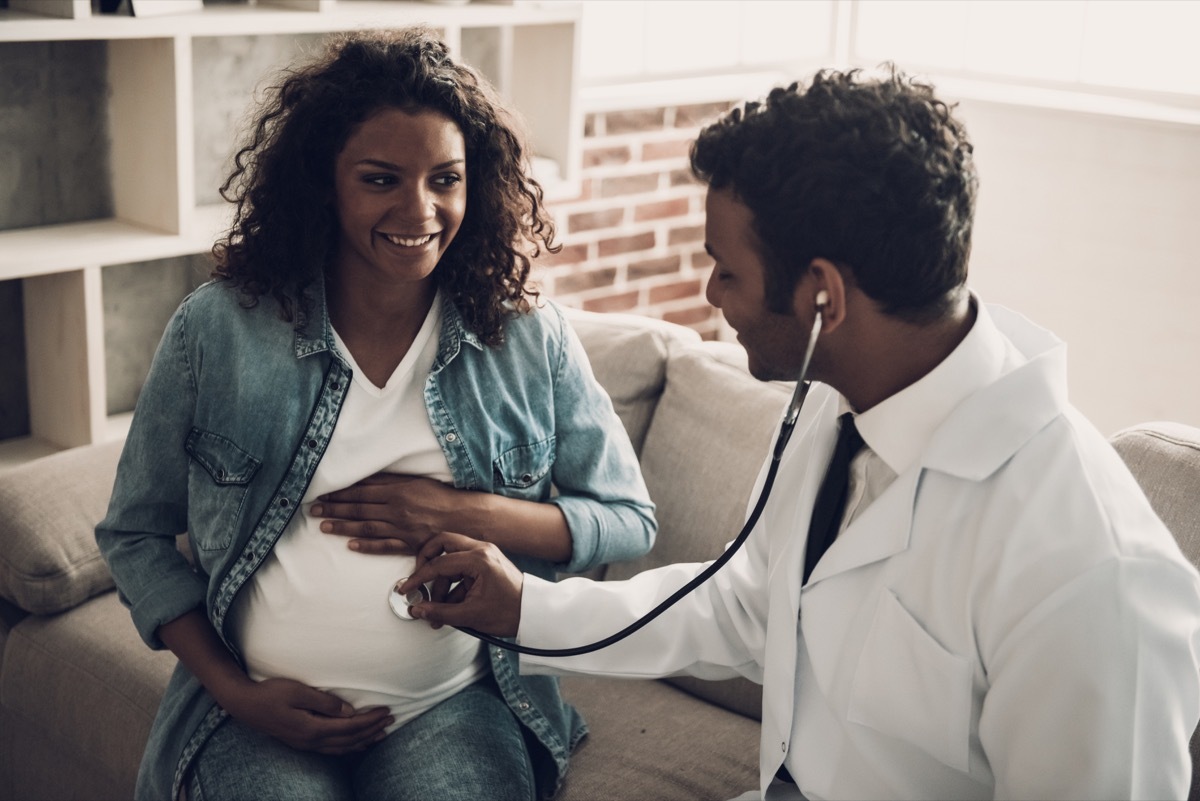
[[529, 50]]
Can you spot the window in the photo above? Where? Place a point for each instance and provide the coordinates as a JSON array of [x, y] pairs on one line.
[[1128, 47]]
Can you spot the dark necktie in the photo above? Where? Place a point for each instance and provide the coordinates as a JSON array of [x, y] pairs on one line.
[[831, 499]]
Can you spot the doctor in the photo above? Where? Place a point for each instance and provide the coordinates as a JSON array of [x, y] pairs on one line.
[[1000, 612]]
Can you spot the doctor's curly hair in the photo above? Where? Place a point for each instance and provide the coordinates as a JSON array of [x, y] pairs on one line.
[[872, 172], [285, 229]]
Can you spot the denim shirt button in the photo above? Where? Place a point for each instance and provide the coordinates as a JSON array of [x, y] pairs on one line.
[[312, 443], [452, 437], [523, 705], [526, 477], [284, 502]]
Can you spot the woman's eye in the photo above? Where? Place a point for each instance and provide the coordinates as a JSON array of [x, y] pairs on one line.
[[448, 180], [379, 180]]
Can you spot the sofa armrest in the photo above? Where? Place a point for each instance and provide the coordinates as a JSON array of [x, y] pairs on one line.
[[1165, 459], [49, 508]]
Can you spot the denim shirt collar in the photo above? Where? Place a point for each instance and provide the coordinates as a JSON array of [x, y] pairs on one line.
[[453, 334], [314, 333]]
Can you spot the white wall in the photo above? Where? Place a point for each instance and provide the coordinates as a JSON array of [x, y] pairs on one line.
[[1086, 219], [1088, 225]]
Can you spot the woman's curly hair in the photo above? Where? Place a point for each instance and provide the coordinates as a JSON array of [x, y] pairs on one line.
[[872, 173], [285, 230]]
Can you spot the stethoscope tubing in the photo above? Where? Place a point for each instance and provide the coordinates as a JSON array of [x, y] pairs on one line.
[[785, 433], [708, 572]]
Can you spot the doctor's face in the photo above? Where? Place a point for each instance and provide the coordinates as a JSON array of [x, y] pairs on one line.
[[774, 342]]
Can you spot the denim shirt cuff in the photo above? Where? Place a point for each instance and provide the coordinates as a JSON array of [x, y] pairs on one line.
[[586, 531], [175, 594]]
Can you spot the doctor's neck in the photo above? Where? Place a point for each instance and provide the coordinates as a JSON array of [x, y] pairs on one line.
[[873, 355]]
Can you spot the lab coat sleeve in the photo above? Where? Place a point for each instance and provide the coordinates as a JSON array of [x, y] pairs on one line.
[[1095, 692]]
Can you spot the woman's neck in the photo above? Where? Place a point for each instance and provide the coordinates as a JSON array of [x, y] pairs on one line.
[[379, 327]]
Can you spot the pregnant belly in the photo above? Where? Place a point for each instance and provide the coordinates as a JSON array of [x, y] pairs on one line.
[[322, 618]]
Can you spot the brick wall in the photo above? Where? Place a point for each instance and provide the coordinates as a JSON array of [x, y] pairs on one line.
[[633, 239]]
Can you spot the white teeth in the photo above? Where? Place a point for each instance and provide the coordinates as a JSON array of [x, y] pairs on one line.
[[409, 242]]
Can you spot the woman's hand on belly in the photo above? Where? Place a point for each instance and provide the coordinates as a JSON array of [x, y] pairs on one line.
[[303, 717], [387, 513], [395, 514]]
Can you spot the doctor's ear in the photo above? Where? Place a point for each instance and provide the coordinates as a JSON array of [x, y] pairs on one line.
[[822, 289]]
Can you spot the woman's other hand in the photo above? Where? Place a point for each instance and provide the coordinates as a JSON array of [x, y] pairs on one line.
[[387, 513], [300, 716], [303, 717]]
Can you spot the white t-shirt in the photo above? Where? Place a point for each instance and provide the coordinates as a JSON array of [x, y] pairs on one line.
[[317, 612]]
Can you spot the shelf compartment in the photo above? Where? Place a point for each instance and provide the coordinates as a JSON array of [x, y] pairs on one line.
[[230, 73], [14, 392], [138, 301]]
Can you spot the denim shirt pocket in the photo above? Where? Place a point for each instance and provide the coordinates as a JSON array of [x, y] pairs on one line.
[[523, 471], [218, 479]]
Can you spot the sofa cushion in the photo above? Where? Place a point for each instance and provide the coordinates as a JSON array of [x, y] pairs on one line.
[[85, 681], [703, 451], [629, 357], [49, 561], [648, 740]]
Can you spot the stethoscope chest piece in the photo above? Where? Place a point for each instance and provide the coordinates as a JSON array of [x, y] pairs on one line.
[[400, 603]]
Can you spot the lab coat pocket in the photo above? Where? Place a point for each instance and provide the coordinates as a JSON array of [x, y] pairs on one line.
[[520, 472], [907, 686]]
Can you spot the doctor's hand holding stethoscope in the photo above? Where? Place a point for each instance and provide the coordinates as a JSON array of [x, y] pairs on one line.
[[471, 585]]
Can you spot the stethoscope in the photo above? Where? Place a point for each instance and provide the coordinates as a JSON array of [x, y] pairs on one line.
[[400, 603]]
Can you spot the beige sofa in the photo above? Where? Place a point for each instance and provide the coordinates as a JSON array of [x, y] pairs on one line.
[[78, 689]]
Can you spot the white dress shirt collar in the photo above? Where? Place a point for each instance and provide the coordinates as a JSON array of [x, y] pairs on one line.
[[898, 428]]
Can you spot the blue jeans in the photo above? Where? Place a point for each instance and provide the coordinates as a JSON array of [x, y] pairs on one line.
[[468, 747]]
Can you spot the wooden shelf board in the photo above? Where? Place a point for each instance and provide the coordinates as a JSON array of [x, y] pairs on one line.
[[21, 26], [47, 249]]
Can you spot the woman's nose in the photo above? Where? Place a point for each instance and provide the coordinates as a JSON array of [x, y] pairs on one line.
[[415, 204]]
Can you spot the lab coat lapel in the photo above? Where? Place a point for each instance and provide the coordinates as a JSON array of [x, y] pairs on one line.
[[882, 530], [982, 432]]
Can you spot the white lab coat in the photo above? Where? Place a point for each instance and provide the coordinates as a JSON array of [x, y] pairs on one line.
[[1007, 619]]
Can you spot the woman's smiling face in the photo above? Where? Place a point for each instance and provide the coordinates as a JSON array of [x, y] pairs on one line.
[[401, 192]]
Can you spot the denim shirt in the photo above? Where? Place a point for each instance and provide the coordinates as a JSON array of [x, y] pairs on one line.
[[236, 413]]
